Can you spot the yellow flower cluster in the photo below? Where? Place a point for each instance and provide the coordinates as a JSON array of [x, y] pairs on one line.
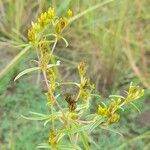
[[44, 55], [52, 139], [52, 86], [109, 112], [70, 13], [85, 86], [50, 100], [105, 112], [60, 25], [45, 19], [82, 67], [52, 79], [134, 93]]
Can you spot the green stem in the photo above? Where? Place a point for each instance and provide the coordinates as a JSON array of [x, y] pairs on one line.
[[51, 93]]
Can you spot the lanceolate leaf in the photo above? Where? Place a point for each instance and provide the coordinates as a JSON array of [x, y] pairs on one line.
[[95, 124], [135, 107], [44, 145], [77, 129], [26, 71], [111, 130], [38, 116], [84, 139], [89, 127], [35, 118]]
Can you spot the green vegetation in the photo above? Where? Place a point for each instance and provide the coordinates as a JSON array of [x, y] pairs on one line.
[[111, 36]]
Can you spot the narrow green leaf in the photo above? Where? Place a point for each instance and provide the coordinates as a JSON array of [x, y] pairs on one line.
[[44, 145], [117, 96], [61, 135], [77, 129], [95, 124], [135, 107], [112, 130], [67, 147], [45, 123], [92, 141], [82, 106], [26, 71], [35, 118], [66, 42], [84, 139], [38, 114]]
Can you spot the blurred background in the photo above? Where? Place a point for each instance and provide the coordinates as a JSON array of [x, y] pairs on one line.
[[112, 36]]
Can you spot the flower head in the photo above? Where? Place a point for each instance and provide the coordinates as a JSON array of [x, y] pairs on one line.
[[69, 13], [51, 13], [82, 67], [114, 118], [61, 24], [134, 93], [102, 110]]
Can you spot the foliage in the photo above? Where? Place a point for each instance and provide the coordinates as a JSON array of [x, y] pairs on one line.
[[73, 122], [111, 35]]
